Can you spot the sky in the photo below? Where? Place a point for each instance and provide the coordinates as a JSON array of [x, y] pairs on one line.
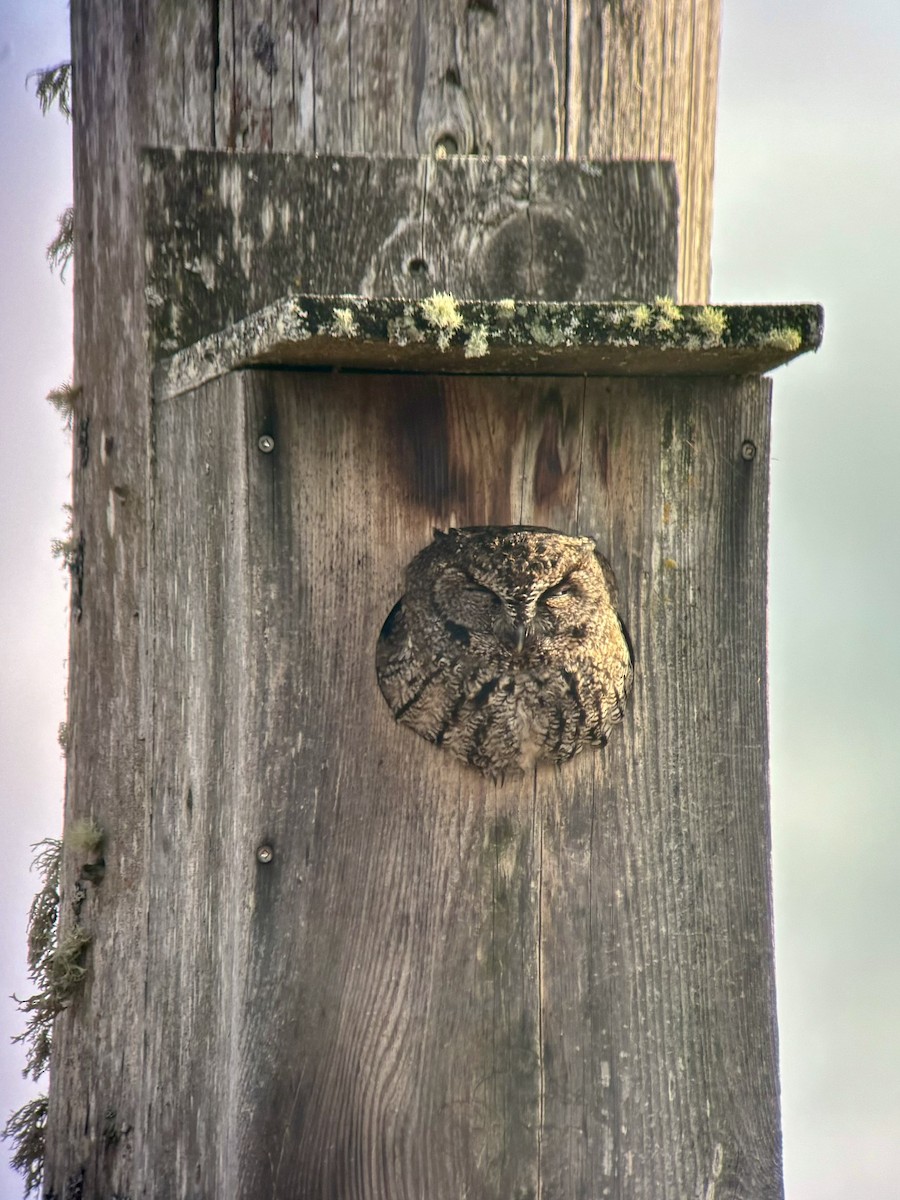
[[807, 208]]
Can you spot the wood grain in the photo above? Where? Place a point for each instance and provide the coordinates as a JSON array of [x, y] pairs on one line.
[[178, 959], [558, 987], [562, 79], [228, 234]]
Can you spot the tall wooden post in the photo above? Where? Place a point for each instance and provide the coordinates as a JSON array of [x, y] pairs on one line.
[[325, 960]]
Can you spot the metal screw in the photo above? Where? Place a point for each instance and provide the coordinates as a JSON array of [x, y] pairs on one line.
[[266, 443], [748, 451], [264, 854]]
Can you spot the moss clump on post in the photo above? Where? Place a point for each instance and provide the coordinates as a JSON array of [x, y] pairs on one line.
[[56, 965]]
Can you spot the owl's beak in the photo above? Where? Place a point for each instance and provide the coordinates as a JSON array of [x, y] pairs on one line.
[[515, 638]]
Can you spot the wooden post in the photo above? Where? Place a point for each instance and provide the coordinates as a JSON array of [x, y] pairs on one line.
[[423, 985]]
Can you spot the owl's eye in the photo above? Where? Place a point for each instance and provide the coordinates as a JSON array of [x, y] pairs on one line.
[[567, 586], [473, 588]]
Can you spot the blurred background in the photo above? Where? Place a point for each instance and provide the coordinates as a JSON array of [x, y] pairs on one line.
[[807, 197]]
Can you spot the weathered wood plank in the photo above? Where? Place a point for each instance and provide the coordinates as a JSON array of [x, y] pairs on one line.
[[643, 84], [568, 79], [228, 234], [135, 80], [438, 986], [358, 76], [500, 338]]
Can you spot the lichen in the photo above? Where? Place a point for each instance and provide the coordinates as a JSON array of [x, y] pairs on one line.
[[55, 961], [84, 837], [712, 324], [66, 549], [477, 342], [63, 398], [26, 1131], [344, 323], [506, 309], [403, 330], [640, 317], [666, 314], [61, 249], [442, 313], [782, 338]]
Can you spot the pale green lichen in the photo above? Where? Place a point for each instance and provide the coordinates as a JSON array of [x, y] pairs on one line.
[[60, 250], [640, 317], [26, 1131], [477, 342], [551, 333], [441, 312], [712, 323], [506, 309], [783, 339], [66, 969], [63, 398], [403, 330], [54, 86], [344, 323], [66, 548], [666, 314], [84, 837], [545, 335]]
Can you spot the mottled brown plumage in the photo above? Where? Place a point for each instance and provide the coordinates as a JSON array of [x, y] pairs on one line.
[[506, 647]]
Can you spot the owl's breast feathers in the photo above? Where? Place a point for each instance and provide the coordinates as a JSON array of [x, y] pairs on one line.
[[503, 699]]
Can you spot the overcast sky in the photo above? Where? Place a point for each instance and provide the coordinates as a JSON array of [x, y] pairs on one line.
[[807, 207]]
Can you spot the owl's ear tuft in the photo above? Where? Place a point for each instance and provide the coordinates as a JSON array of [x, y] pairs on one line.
[[439, 535]]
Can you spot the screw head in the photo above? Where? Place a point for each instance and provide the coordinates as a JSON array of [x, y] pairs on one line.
[[266, 443], [748, 451], [264, 854]]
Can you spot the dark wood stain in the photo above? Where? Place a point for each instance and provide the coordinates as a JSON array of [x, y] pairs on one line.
[[422, 441]]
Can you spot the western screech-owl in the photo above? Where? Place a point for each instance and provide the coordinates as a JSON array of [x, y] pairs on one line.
[[506, 647]]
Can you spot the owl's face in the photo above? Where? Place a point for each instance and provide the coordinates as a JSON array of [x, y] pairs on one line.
[[508, 591], [506, 647]]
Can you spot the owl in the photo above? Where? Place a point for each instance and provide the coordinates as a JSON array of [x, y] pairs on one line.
[[506, 647]]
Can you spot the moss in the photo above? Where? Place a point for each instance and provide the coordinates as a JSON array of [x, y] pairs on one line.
[[782, 339]]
